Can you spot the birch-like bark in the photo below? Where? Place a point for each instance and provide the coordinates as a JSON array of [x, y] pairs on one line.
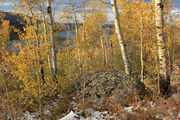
[[83, 39], [171, 38], [45, 37], [120, 37], [75, 18], [103, 49], [83, 30], [53, 52], [164, 81], [112, 53], [142, 61]]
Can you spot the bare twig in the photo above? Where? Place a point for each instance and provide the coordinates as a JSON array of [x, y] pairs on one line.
[[104, 2]]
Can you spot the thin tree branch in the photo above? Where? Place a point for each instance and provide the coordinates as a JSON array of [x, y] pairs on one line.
[[104, 2]]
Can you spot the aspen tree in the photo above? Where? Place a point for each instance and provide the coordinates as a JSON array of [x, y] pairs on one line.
[[164, 81], [53, 52], [42, 9], [76, 30], [142, 61], [120, 37]]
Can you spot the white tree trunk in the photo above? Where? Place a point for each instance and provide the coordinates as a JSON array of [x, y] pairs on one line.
[[120, 37], [45, 37], [53, 53], [164, 81], [103, 49], [142, 49]]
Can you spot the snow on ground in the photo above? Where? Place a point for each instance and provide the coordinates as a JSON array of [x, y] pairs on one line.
[[93, 115], [71, 116], [160, 109], [30, 116], [128, 109]]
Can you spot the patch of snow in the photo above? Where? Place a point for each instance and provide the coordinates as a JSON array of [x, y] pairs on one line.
[[72, 116], [46, 112], [29, 116], [128, 109], [96, 115], [92, 115]]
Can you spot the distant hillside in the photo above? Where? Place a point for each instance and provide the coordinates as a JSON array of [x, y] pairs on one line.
[[16, 21]]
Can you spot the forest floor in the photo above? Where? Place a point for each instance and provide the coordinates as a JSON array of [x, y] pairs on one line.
[[167, 109], [149, 109]]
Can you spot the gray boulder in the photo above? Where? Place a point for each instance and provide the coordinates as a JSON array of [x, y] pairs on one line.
[[107, 87]]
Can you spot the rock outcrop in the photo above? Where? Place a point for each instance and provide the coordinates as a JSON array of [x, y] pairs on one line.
[[107, 87]]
